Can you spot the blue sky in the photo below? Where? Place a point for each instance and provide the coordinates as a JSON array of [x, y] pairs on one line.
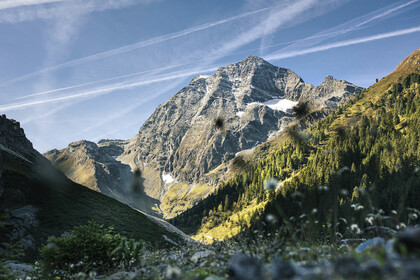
[[94, 69]]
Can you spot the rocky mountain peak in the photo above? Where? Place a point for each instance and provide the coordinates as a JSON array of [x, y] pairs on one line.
[[83, 145], [254, 60], [252, 96], [328, 78], [250, 65]]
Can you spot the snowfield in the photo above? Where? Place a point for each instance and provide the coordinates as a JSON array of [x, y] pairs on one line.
[[167, 178], [279, 104]]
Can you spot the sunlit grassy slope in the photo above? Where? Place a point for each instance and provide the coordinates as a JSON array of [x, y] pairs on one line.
[[182, 196], [230, 227]]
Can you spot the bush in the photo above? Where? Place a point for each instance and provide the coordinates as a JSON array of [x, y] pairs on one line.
[[90, 247]]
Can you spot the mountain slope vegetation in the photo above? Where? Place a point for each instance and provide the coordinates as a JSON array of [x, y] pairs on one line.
[[363, 158]]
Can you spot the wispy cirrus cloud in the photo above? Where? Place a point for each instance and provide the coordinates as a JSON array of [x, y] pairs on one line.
[[182, 74], [271, 24], [386, 11], [13, 11], [52, 91], [73, 92], [10, 4], [278, 17], [339, 44], [348, 26], [104, 89], [137, 45]]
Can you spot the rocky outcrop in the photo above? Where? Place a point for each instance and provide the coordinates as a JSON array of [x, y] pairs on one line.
[[12, 138], [18, 225]]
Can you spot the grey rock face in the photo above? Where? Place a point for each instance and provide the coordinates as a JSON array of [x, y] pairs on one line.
[[19, 270], [18, 224], [180, 137]]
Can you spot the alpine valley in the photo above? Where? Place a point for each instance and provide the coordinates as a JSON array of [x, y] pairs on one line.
[[249, 173]]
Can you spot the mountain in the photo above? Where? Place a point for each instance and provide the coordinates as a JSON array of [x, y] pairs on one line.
[[186, 144], [361, 160], [42, 202], [95, 166]]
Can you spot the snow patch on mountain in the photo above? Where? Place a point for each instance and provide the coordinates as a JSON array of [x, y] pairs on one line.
[[167, 178], [279, 104]]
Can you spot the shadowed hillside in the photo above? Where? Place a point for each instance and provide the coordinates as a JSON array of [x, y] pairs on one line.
[[43, 202]]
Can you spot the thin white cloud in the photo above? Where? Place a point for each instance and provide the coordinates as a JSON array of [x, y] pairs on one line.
[[28, 10], [349, 26], [135, 46], [339, 44], [100, 81], [293, 10], [10, 4], [104, 90], [118, 113], [278, 17], [46, 113], [386, 12]]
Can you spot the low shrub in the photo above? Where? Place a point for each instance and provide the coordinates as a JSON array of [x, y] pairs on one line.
[[90, 247]]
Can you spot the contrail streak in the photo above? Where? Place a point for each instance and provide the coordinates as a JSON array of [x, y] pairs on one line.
[[343, 43], [100, 91], [386, 13], [100, 81], [9, 4], [130, 108], [131, 47], [349, 26]]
